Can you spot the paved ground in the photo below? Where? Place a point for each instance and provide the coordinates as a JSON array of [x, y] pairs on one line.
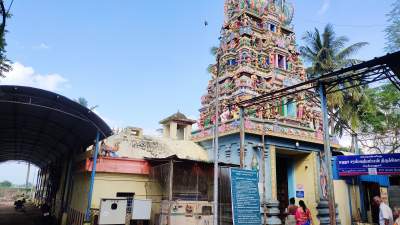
[[8, 215]]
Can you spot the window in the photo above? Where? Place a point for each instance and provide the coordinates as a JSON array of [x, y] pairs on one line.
[[232, 62], [291, 108], [272, 27], [281, 61], [283, 108], [125, 194]]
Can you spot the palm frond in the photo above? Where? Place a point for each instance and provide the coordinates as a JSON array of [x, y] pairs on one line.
[[214, 50], [352, 49]]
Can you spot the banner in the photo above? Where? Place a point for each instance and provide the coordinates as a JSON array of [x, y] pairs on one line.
[[354, 165], [245, 197]]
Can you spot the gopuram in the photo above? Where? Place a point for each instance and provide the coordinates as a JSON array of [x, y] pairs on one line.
[[283, 139]]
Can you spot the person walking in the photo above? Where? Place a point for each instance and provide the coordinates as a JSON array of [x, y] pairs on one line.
[[303, 215], [385, 213], [291, 212]]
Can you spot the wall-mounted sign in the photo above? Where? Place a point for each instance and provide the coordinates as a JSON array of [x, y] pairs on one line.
[[299, 191], [245, 197], [382, 164]]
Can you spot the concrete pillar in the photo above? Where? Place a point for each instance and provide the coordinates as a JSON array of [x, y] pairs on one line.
[[273, 204], [323, 205], [273, 213], [272, 157], [166, 131], [173, 128], [188, 133], [323, 213]]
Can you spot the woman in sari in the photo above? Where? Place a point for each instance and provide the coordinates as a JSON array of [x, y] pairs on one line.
[[303, 214]]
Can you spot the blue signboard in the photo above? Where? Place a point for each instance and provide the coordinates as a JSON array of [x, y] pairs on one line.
[[245, 197], [299, 194], [354, 165]]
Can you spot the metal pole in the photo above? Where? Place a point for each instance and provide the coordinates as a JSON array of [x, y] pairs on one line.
[[264, 200], [27, 175], [37, 185], [216, 147], [242, 130], [328, 154], [32, 187], [95, 153], [67, 183]]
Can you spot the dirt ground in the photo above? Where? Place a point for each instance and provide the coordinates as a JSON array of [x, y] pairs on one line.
[[8, 215]]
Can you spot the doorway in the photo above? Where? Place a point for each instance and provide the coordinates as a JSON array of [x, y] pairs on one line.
[[282, 185], [371, 190]]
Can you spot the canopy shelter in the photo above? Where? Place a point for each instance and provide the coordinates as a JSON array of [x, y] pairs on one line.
[[42, 127]]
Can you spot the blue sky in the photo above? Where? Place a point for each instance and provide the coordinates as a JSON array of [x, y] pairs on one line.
[[141, 61]]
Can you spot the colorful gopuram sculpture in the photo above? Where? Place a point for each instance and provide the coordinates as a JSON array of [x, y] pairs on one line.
[[257, 55]]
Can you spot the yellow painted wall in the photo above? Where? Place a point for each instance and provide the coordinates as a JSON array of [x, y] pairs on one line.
[[342, 199], [355, 202], [107, 185], [305, 170]]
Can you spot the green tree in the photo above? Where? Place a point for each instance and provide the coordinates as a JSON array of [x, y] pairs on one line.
[[4, 62], [326, 52], [393, 29], [82, 101], [5, 184], [380, 120]]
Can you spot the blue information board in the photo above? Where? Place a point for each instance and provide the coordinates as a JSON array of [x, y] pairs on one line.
[[245, 197], [299, 194], [382, 164]]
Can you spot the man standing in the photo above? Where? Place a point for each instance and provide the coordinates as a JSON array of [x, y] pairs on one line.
[[385, 213]]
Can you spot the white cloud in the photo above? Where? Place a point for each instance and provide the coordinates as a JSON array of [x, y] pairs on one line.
[[345, 140], [41, 46], [26, 76], [324, 8]]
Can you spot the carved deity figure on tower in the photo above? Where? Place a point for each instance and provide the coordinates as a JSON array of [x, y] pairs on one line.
[[259, 55]]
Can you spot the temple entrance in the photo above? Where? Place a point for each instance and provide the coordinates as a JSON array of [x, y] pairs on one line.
[[371, 190], [293, 168], [282, 184]]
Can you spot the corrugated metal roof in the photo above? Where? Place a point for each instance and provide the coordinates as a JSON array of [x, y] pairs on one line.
[[42, 127], [381, 180]]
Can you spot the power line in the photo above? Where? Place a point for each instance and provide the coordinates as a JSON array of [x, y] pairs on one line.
[[344, 25]]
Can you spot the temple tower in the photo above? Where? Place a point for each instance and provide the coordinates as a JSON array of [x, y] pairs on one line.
[[283, 138], [257, 55]]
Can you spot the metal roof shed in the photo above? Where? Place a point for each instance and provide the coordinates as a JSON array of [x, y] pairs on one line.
[[41, 127]]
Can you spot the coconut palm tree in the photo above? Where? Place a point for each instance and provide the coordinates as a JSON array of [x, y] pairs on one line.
[[326, 52]]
